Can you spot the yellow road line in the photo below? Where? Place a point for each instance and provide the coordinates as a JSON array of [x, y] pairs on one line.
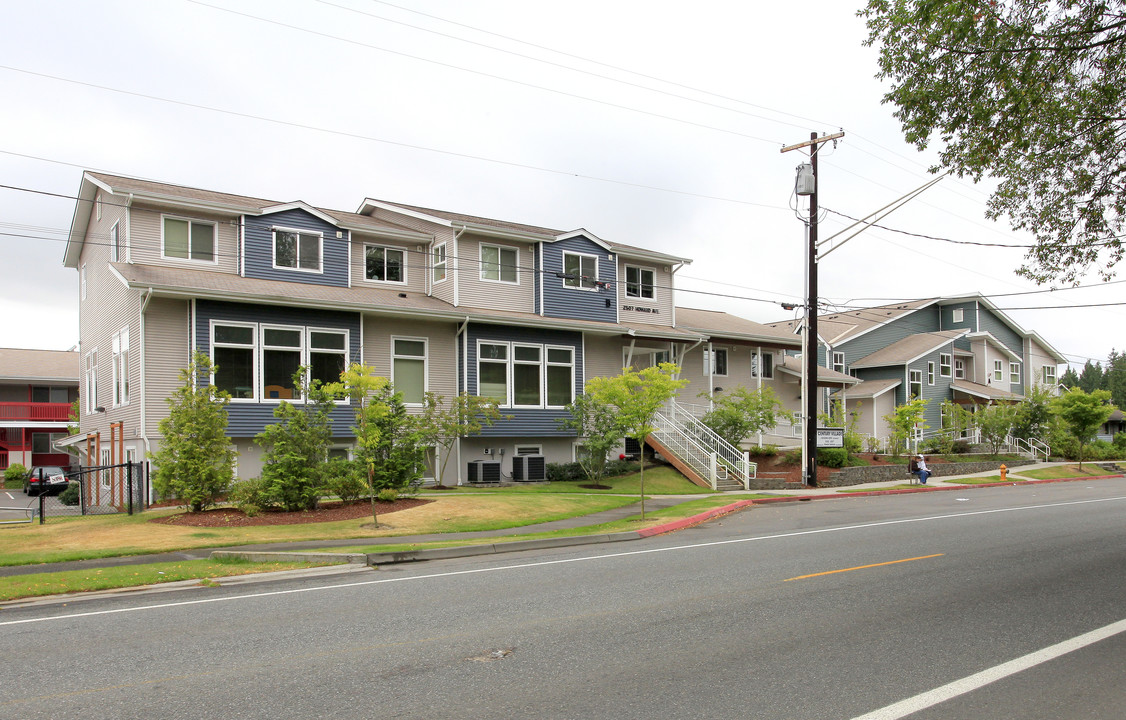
[[862, 567]]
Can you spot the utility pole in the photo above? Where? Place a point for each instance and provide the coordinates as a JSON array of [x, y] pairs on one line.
[[809, 370]]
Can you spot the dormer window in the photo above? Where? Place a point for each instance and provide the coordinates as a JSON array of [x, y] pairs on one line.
[[297, 250], [639, 282], [581, 271], [384, 264]]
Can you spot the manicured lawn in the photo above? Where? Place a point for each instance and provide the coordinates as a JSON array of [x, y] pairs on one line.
[[659, 480], [40, 584], [984, 480]]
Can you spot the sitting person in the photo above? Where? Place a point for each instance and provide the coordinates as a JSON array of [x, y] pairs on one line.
[[920, 469]]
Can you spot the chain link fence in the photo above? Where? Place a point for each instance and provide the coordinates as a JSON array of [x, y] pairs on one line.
[[100, 490]]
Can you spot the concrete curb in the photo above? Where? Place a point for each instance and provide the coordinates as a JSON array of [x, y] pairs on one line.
[[390, 558], [695, 519], [298, 556]]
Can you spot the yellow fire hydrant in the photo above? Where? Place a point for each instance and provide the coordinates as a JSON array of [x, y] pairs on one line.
[[1004, 470]]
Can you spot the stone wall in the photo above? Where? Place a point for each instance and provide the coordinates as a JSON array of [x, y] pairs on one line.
[[883, 473]]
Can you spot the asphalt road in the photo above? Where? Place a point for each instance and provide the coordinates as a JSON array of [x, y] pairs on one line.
[[999, 603]]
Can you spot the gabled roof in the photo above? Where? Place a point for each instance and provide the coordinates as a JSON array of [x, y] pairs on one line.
[[997, 344], [40, 365], [871, 388], [721, 325], [793, 365], [908, 350], [835, 328], [986, 392]]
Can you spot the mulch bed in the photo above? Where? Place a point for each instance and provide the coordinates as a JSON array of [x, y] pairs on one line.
[[329, 512]]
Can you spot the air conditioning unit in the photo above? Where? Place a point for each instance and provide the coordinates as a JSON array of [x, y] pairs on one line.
[[484, 471], [529, 468]]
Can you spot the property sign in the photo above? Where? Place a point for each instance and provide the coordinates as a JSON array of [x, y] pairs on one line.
[[830, 437]]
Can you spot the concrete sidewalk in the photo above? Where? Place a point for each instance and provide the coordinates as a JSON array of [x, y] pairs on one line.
[[317, 550]]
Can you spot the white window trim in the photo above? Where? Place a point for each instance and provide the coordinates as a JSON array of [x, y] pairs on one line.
[[507, 372], [959, 369], [999, 370], [510, 362], [1046, 371], [535, 449], [425, 358], [500, 264], [309, 349], [957, 315], [214, 240], [443, 263], [945, 366], [254, 348], [757, 362], [82, 281], [113, 254], [709, 362], [911, 375], [120, 368], [581, 279], [839, 362], [90, 380], [513, 362], [1014, 373], [402, 266], [930, 372], [320, 249], [547, 362], [640, 294]]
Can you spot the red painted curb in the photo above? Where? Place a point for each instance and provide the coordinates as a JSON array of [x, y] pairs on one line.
[[900, 491], [695, 519]]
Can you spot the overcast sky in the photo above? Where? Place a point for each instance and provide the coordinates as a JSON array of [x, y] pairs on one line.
[[650, 123]]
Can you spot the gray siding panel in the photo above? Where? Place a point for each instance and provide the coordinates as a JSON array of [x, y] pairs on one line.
[[921, 321], [259, 249], [996, 327], [561, 301]]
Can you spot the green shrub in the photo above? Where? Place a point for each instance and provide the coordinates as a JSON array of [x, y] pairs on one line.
[[248, 493], [388, 495], [566, 472], [792, 457], [763, 452], [617, 468], [1120, 443], [832, 457], [72, 495], [15, 474], [346, 479], [961, 447]]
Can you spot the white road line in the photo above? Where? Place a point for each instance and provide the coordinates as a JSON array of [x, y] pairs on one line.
[[903, 708], [544, 563], [10, 496]]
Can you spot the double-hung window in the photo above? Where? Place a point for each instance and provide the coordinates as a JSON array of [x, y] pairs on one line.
[[232, 352], [498, 264], [440, 262], [1014, 373], [115, 253], [328, 355], [1049, 374], [492, 371], [956, 315], [639, 282], [297, 250], [930, 373], [121, 367], [839, 362], [408, 368], [944, 364], [762, 365], [581, 271], [715, 361], [998, 371], [959, 369], [526, 375], [91, 380], [385, 264], [189, 239], [915, 384], [282, 352]]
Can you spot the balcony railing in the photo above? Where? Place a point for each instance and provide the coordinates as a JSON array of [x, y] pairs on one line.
[[38, 412]]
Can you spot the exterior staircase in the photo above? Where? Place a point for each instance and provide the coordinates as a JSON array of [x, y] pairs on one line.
[[698, 452]]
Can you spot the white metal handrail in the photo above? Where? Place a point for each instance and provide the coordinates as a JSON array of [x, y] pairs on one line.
[[701, 448]]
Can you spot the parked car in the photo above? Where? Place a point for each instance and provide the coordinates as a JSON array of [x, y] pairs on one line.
[[45, 480]]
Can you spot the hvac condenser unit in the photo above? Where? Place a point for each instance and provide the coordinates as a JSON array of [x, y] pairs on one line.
[[529, 468], [484, 471]]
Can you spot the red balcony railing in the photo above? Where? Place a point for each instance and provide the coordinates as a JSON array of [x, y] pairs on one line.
[[39, 412]]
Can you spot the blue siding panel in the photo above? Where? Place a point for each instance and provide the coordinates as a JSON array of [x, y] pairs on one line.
[[249, 419], [259, 249], [560, 301]]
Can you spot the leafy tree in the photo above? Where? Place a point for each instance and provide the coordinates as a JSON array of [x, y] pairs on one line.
[[1115, 378], [598, 426], [994, 422], [441, 426], [742, 413], [296, 446], [903, 421], [1091, 378], [363, 387], [1030, 93], [1082, 413], [836, 417], [195, 459], [955, 421], [1030, 421], [636, 396]]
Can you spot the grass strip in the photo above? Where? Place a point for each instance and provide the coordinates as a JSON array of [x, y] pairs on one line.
[[75, 581], [1064, 472]]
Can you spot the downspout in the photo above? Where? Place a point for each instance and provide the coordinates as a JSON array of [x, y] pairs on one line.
[[672, 291], [711, 376], [146, 297], [462, 336], [241, 242]]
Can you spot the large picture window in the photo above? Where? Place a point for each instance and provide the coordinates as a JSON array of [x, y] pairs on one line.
[[189, 239], [498, 263], [258, 362], [715, 361], [297, 250], [384, 264], [526, 375], [408, 368], [639, 282], [581, 271]]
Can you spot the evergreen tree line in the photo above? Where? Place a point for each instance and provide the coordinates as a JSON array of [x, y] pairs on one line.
[[1096, 376]]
